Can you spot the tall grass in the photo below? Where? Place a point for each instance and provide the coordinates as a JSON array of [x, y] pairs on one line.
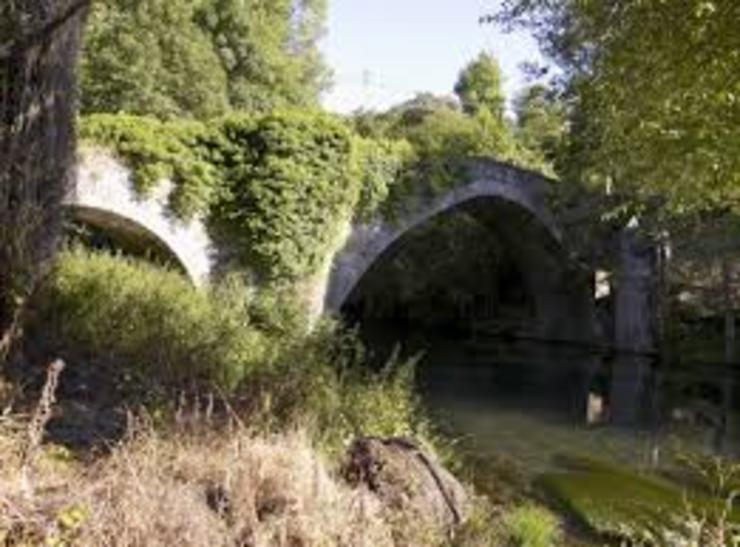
[[225, 488], [263, 472]]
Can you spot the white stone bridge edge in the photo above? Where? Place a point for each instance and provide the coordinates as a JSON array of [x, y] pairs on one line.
[[104, 187]]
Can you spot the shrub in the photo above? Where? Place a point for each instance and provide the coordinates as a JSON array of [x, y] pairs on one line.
[[145, 319], [323, 383], [381, 163], [532, 526]]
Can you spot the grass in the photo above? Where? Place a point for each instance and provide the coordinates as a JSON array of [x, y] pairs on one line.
[[206, 488], [257, 467], [532, 526], [617, 501]]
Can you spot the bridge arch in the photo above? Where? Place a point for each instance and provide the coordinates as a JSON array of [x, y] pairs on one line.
[[103, 196], [512, 199]]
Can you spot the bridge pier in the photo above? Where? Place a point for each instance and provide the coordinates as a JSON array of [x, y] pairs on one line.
[[634, 337]]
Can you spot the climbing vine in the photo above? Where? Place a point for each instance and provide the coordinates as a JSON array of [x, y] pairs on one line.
[[288, 182], [279, 186], [181, 151]]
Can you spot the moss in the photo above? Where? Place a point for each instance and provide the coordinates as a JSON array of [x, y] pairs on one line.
[[617, 501]]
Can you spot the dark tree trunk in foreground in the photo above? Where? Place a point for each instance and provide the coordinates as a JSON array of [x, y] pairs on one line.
[[38, 46]]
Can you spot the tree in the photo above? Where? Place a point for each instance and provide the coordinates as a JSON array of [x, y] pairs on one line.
[[149, 56], [201, 58], [654, 94], [37, 89], [479, 87], [269, 50], [540, 121]]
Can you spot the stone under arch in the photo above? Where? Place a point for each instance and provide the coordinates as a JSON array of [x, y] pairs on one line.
[[103, 195], [514, 199]]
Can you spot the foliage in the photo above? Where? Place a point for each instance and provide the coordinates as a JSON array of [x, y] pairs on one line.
[[381, 163], [150, 57], [278, 184], [200, 59], [532, 526], [653, 94], [179, 151], [288, 184], [540, 122], [442, 140], [147, 321], [268, 50], [149, 326], [323, 382], [479, 87]]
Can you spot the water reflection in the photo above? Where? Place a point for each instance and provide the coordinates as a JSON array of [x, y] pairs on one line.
[[531, 402]]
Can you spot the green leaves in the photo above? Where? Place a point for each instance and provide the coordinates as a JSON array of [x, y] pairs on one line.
[[286, 205], [150, 57], [479, 87], [202, 58], [651, 88]]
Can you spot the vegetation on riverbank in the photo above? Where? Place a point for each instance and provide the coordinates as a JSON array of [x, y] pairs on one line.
[[217, 446]]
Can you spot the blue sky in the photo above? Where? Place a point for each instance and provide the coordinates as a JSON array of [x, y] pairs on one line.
[[385, 51]]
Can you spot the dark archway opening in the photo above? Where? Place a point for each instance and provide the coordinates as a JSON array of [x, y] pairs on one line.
[[106, 232], [483, 291]]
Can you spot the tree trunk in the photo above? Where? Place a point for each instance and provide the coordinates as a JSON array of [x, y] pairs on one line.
[[37, 108]]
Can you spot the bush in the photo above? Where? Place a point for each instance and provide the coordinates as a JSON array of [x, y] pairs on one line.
[[139, 319], [532, 526], [324, 384], [145, 319]]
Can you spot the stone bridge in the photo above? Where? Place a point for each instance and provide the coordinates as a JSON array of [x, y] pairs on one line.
[[104, 196], [511, 200]]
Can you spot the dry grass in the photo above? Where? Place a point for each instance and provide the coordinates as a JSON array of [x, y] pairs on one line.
[[196, 488]]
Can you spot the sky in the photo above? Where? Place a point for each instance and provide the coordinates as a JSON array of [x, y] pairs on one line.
[[385, 51]]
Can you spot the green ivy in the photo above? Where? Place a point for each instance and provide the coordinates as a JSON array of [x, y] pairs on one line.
[[288, 183], [279, 186], [380, 164], [180, 151]]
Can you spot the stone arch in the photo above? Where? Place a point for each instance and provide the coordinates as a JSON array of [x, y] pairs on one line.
[[502, 194], [103, 195]]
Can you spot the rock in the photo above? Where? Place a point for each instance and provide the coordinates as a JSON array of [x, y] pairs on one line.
[[406, 478]]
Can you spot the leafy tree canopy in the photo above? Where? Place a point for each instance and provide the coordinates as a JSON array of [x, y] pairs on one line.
[[201, 58], [479, 87], [654, 95]]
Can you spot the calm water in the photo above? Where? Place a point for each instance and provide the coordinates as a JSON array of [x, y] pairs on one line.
[[527, 404]]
